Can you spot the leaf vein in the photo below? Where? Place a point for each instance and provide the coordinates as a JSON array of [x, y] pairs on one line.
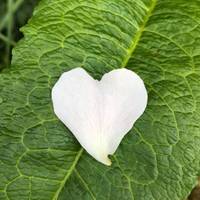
[[138, 35]]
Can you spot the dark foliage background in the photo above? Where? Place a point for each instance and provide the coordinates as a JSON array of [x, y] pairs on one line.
[[13, 15]]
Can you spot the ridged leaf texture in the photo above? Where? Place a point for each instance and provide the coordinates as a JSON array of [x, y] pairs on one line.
[[159, 158]]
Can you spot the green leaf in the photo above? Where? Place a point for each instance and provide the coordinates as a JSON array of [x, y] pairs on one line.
[[159, 159]]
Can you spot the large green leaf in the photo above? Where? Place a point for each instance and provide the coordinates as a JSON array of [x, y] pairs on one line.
[[159, 158]]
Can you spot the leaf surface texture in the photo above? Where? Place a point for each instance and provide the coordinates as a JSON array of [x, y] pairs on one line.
[[159, 158]]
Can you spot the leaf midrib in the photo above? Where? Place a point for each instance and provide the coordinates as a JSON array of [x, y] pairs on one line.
[[134, 43], [69, 172], [138, 34]]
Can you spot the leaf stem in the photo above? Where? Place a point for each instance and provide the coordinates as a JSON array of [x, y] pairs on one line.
[[9, 30], [5, 39], [14, 7]]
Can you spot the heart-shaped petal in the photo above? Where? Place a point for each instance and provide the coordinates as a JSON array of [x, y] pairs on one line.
[[99, 113]]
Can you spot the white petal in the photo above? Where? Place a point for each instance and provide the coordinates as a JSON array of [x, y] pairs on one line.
[[99, 113]]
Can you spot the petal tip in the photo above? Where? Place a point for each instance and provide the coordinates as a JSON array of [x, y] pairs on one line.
[[107, 161]]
